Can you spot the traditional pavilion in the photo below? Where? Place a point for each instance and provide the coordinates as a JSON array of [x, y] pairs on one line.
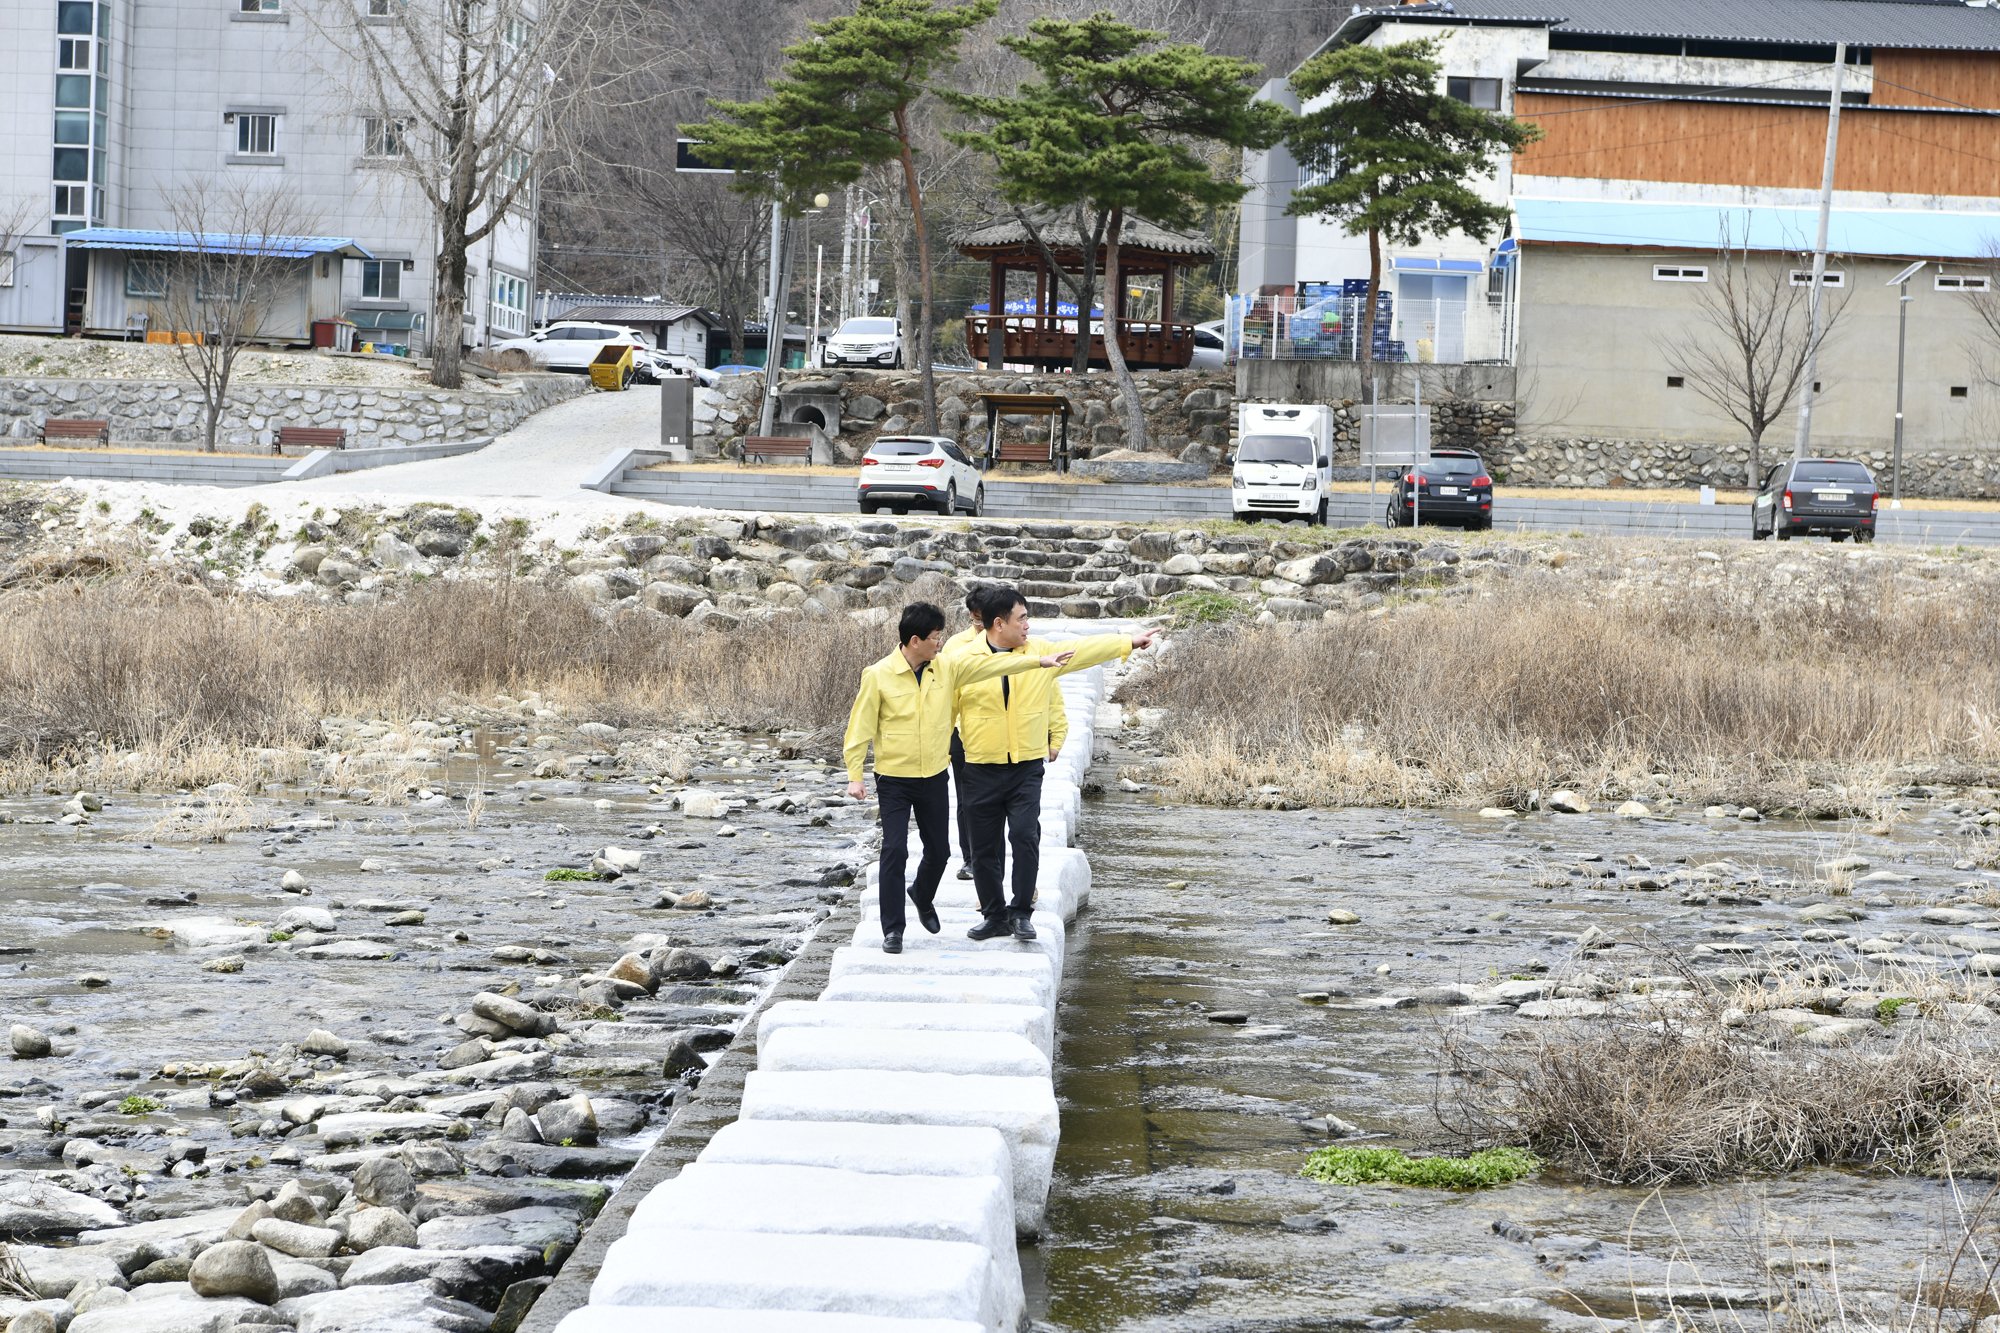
[[1045, 339]]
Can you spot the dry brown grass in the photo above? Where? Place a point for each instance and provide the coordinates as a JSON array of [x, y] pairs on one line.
[[170, 683], [1686, 1097], [1741, 691]]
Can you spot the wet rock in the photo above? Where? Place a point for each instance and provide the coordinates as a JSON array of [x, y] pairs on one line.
[[1232, 1016], [294, 882], [237, 1268], [385, 1183], [535, 1228], [293, 1204], [694, 899], [477, 1274], [1633, 810], [473, 1052], [321, 1042], [1567, 803], [1340, 916], [703, 805], [227, 964], [373, 1228], [173, 1268], [512, 1014], [518, 1127], [634, 970], [1309, 1222], [570, 1121], [680, 965], [29, 1043], [295, 1238]]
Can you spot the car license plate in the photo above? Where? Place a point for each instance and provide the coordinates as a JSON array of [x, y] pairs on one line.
[[1447, 490], [1833, 497]]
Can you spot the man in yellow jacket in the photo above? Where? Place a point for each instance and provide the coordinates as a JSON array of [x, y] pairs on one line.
[[904, 706], [1009, 727]]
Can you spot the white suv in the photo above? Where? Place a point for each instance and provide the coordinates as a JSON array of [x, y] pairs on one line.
[[903, 471], [573, 344], [865, 341]]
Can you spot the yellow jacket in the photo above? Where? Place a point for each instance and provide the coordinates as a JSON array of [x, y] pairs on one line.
[[910, 723], [1031, 721]]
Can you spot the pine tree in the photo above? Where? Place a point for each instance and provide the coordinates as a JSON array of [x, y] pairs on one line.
[[842, 105], [1395, 154], [1113, 126]]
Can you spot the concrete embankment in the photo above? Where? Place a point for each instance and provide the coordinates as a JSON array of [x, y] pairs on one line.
[[893, 1142]]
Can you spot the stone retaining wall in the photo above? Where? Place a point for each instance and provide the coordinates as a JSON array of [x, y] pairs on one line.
[[171, 411], [1582, 461]]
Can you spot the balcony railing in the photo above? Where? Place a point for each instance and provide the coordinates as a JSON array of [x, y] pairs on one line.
[[1048, 342], [1289, 328]]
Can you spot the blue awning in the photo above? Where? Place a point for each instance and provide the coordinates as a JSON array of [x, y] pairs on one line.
[[215, 243], [1064, 309], [1902, 234], [1414, 264]]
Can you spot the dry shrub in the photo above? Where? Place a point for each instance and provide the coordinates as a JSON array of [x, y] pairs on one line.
[[1688, 1099], [510, 359], [1736, 689], [173, 669]]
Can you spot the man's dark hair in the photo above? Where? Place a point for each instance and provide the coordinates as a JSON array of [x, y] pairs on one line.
[[920, 621], [999, 603], [975, 603]]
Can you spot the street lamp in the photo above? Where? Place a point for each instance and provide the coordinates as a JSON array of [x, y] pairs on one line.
[[1901, 280], [774, 329]]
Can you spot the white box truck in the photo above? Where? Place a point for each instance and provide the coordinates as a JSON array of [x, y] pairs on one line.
[[1283, 463]]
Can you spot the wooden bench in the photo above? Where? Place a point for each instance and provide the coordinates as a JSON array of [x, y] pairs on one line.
[[1025, 451], [97, 432], [309, 437], [778, 446]]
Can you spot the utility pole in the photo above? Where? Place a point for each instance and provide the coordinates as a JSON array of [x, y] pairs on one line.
[[1817, 296], [845, 305], [774, 318]]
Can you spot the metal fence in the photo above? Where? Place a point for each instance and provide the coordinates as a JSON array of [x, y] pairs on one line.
[[1327, 327]]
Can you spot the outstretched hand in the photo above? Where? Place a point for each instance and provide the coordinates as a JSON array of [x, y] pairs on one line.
[[1059, 659], [1144, 638]]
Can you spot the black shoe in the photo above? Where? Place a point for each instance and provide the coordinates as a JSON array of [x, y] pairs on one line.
[[892, 941], [965, 872], [1024, 928], [991, 928], [928, 918]]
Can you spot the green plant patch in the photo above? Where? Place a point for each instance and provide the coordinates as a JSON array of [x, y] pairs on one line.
[[1370, 1166], [1201, 607], [1886, 1011], [566, 875], [136, 1105]]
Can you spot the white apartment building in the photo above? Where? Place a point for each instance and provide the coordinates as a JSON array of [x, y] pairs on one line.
[[109, 106]]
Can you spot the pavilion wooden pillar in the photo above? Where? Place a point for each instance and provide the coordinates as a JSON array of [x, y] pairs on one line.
[[1041, 321], [1167, 293], [996, 317]]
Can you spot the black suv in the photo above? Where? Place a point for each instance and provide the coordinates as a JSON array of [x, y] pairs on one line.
[[1835, 496], [1456, 489]]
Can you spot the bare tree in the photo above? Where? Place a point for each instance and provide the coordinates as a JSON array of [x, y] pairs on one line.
[[1751, 338], [469, 99], [243, 267], [19, 215]]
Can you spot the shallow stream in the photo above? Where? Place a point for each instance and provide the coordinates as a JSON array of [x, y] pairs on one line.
[[1178, 1203]]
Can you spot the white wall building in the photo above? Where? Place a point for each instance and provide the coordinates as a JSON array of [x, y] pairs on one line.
[[109, 106]]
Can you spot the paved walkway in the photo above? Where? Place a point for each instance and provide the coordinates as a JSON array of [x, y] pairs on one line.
[[546, 457]]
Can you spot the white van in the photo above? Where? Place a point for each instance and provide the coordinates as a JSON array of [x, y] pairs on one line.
[[1283, 464]]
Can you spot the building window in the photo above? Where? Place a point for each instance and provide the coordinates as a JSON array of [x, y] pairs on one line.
[[383, 137], [514, 166], [381, 279], [1680, 273], [73, 18], [146, 277], [7, 258], [509, 311], [72, 53], [260, 6], [1958, 283], [1482, 93], [1676, 381], [514, 32], [378, 9], [1958, 390], [1802, 277], [256, 136], [70, 201]]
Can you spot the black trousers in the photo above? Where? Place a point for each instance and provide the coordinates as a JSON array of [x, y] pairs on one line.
[[958, 782], [1001, 804], [929, 799]]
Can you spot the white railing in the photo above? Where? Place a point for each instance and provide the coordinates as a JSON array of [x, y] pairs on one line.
[[1292, 328]]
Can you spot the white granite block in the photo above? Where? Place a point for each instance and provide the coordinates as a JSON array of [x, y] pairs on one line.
[[923, 1052], [1038, 969], [935, 990], [691, 1319], [851, 1145], [862, 1275], [1031, 1023]]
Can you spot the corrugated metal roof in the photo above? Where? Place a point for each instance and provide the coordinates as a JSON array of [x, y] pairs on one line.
[[1877, 233], [648, 312], [1918, 24], [215, 243]]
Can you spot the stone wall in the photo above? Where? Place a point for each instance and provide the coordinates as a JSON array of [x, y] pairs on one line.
[[171, 411], [1189, 413], [1580, 461]]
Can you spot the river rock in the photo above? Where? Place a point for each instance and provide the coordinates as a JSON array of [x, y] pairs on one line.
[[294, 882], [385, 1183], [321, 1042], [635, 970], [703, 805], [511, 1013], [293, 1204], [296, 1239], [1633, 810], [1566, 803], [412, 1307], [35, 1317], [55, 1273], [372, 1228], [1340, 916], [237, 1268], [569, 1121], [29, 1043], [361, 1126], [466, 1053], [679, 965], [537, 1228], [518, 1127], [258, 1210], [470, 1274], [30, 1206]]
